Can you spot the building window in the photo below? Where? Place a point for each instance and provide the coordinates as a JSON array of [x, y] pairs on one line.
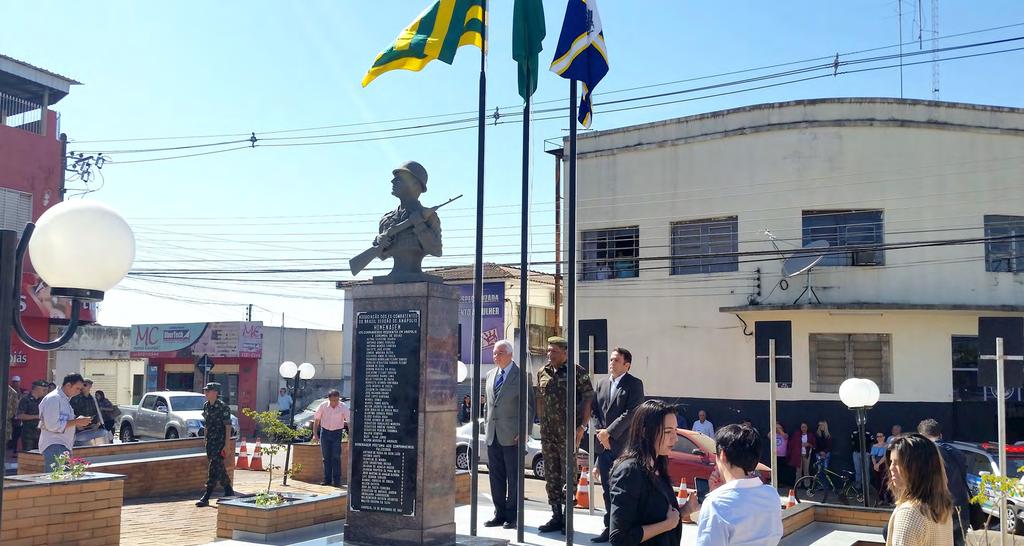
[[838, 357], [695, 243], [965, 369], [846, 228], [15, 209], [1006, 255], [610, 254]]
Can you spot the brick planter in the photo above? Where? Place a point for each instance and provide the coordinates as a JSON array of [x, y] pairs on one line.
[[82, 512], [309, 456], [241, 519]]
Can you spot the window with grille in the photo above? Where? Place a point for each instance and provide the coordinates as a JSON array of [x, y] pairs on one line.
[[858, 230], [838, 357], [15, 209], [1006, 253], [610, 254], [698, 245]]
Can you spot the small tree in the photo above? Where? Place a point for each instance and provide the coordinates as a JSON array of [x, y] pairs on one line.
[[278, 435], [995, 489]]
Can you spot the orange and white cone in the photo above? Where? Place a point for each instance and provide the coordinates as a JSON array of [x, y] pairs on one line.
[[257, 458], [682, 497], [242, 462], [791, 501], [583, 490]]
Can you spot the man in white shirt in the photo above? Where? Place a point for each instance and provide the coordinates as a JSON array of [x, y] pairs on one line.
[[703, 426], [743, 510], [57, 422], [284, 402]]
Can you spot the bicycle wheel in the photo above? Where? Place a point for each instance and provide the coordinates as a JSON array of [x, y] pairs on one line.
[[810, 484], [850, 492]]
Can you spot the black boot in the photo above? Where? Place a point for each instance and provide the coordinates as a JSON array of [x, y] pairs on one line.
[[205, 500], [228, 491], [557, 522]]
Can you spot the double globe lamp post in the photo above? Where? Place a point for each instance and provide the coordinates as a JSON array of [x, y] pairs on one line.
[[860, 395], [289, 370], [81, 249]]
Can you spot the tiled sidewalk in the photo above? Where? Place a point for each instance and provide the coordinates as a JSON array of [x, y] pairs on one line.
[[177, 521]]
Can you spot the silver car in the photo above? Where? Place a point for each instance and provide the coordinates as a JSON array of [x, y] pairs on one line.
[[534, 459]]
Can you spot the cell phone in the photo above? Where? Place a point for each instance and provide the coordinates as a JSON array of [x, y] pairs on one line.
[[703, 488]]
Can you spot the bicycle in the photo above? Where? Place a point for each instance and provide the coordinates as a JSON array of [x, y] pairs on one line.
[[824, 480]]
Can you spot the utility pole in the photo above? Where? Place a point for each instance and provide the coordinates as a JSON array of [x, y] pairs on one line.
[[558, 154], [248, 314]]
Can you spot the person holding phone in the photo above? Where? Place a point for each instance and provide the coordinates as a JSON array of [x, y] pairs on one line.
[[643, 504], [57, 420], [743, 510]]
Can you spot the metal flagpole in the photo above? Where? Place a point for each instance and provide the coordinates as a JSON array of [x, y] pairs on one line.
[[1001, 413], [570, 323], [478, 288], [524, 309], [772, 414]]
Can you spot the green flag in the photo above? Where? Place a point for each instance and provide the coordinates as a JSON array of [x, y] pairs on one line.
[[527, 34]]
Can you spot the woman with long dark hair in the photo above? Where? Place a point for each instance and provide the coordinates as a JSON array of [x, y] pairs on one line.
[[924, 507], [643, 504]]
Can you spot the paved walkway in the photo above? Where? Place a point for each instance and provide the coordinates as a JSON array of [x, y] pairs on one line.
[[176, 520]]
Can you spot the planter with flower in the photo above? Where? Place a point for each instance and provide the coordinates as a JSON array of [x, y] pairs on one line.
[[269, 513]]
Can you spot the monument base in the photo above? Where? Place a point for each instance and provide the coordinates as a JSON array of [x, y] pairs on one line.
[[402, 482]]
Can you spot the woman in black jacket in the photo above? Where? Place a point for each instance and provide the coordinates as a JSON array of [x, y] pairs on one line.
[[643, 504]]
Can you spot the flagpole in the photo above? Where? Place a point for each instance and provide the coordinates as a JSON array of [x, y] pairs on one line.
[[570, 323], [524, 306], [478, 287]]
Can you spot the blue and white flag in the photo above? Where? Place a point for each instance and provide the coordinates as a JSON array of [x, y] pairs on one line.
[[581, 54]]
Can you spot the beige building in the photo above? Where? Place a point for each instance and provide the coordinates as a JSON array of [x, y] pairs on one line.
[[920, 202]]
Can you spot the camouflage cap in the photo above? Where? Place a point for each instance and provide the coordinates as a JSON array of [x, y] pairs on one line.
[[212, 386], [558, 341], [40, 383]]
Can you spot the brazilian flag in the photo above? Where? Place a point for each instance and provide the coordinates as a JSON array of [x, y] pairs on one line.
[[436, 34]]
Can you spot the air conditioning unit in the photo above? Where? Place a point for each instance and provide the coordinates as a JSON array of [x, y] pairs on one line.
[[867, 257]]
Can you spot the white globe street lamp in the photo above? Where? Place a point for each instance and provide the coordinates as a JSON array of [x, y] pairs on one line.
[[81, 249], [860, 395], [289, 370]]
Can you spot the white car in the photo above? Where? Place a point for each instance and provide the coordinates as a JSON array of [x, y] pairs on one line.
[[534, 459]]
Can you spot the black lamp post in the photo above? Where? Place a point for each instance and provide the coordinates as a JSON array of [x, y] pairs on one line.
[[81, 249], [289, 370], [861, 395]]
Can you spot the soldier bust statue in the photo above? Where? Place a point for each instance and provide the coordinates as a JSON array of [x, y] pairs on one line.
[[409, 232]]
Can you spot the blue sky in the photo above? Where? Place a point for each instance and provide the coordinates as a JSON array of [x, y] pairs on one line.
[[233, 67]]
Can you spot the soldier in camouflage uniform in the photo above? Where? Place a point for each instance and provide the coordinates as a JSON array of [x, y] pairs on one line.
[[217, 419], [28, 414], [551, 406]]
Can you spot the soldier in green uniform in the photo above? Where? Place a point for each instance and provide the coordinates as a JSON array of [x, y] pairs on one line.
[[551, 405], [217, 418], [85, 405], [28, 414]]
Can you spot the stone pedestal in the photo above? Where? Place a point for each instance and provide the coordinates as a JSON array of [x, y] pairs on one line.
[[402, 486]]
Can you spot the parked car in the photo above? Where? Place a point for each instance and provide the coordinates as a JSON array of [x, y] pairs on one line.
[[166, 415], [534, 460], [983, 459], [693, 456], [304, 418]]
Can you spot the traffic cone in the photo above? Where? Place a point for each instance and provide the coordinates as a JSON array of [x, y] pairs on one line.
[[682, 497], [242, 462], [791, 501], [583, 490], [257, 458]]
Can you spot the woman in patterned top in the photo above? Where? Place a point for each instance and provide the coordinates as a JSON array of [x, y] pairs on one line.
[[924, 507]]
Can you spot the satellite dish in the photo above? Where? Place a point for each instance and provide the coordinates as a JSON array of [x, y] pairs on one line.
[[804, 261]]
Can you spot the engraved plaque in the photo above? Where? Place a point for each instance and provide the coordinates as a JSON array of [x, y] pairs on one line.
[[385, 412]]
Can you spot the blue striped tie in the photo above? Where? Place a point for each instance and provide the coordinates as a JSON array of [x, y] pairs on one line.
[[499, 381]]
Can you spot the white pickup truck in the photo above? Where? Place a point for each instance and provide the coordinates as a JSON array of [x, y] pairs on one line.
[[166, 415]]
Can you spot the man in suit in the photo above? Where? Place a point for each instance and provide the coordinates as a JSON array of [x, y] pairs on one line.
[[502, 424], [617, 397]]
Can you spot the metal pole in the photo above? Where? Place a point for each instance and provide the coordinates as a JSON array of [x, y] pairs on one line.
[[862, 419], [570, 324], [1001, 412], [771, 414], [593, 427], [8, 292], [558, 239], [291, 423], [524, 310], [478, 288]]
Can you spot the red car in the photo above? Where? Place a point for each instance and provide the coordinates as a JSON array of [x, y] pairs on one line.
[[693, 456]]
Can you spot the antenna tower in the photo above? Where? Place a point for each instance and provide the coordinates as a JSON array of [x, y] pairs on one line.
[[935, 48]]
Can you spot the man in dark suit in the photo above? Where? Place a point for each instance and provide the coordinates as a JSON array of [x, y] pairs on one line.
[[617, 397], [502, 425]]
